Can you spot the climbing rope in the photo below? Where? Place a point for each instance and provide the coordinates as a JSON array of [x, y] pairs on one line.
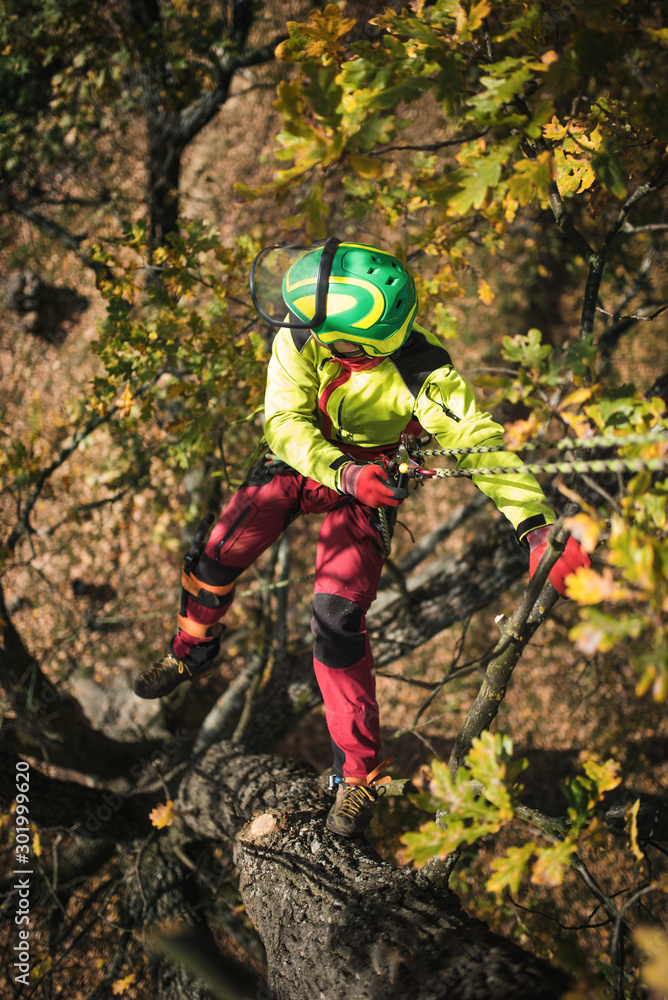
[[601, 441], [596, 465]]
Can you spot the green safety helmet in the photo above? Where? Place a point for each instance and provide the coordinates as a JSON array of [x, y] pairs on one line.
[[347, 291]]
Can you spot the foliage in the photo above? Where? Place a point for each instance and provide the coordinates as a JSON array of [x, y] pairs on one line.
[[180, 356], [557, 387], [482, 798], [502, 76], [56, 90]]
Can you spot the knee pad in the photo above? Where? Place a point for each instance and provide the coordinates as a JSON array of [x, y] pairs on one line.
[[210, 585], [336, 625]]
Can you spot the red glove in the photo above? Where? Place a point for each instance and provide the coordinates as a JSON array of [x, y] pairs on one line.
[[571, 558], [371, 485]]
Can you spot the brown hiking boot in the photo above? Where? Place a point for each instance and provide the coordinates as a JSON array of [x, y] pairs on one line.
[[165, 675], [352, 811]]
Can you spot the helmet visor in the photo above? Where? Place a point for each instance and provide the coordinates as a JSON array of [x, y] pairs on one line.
[[266, 283]]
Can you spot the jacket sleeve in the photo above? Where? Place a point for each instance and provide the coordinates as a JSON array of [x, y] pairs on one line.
[[291, 414], [446, 407]]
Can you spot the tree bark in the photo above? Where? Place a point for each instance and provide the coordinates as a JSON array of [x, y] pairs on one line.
[[337, 921]]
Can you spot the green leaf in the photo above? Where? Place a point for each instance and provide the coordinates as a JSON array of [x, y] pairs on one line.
[[510, 869], [466, 814], [430, 841], [551, 863], [527, 350], [609, 170], [531, 180], [471, 185], [407, 91], [502, 82]]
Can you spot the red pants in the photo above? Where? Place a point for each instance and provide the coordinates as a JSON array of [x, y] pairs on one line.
[[349, 560]]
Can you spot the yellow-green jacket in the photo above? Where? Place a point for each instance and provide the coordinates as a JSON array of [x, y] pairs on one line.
[[318, 412]]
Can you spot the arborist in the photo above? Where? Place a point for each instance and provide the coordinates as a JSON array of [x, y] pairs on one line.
[[350, 373]]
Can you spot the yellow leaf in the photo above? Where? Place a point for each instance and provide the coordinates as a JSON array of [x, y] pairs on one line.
[[121, 985], [519, 432], [654, 943], [605, 775], [41, 969], [653, 678], [163, 816], [585, 529], [579, 423], [36, 844], [485, 293], [659, 34], [632, 829], [586, 586], [478, 13], [554, 129], [575, 398], [509, 870], [125, 402], [367, 166], [548, 868]]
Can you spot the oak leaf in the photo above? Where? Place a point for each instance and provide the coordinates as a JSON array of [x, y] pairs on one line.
[[163, 815], [121, 985]]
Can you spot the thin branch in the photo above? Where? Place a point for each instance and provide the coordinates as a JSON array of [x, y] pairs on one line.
[[644, 81], [432, 146], [55, 231], [635, 317], [23, 526], [565, 223], [642, 191], [198, 114], [549, 916], [429, 746], [651, 227], [616, 944], [537, 601], [428, 685]]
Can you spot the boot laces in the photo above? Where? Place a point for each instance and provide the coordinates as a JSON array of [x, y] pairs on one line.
[[167, 664], [359, 796], [356, 798]]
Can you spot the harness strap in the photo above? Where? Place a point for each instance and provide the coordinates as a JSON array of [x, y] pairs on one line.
[[193, 585], [372, 777], [198, 630]]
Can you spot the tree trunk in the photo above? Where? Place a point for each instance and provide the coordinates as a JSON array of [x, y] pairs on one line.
[[337, 921]]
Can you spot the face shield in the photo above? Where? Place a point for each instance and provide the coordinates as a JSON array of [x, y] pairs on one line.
[[266, 283]]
